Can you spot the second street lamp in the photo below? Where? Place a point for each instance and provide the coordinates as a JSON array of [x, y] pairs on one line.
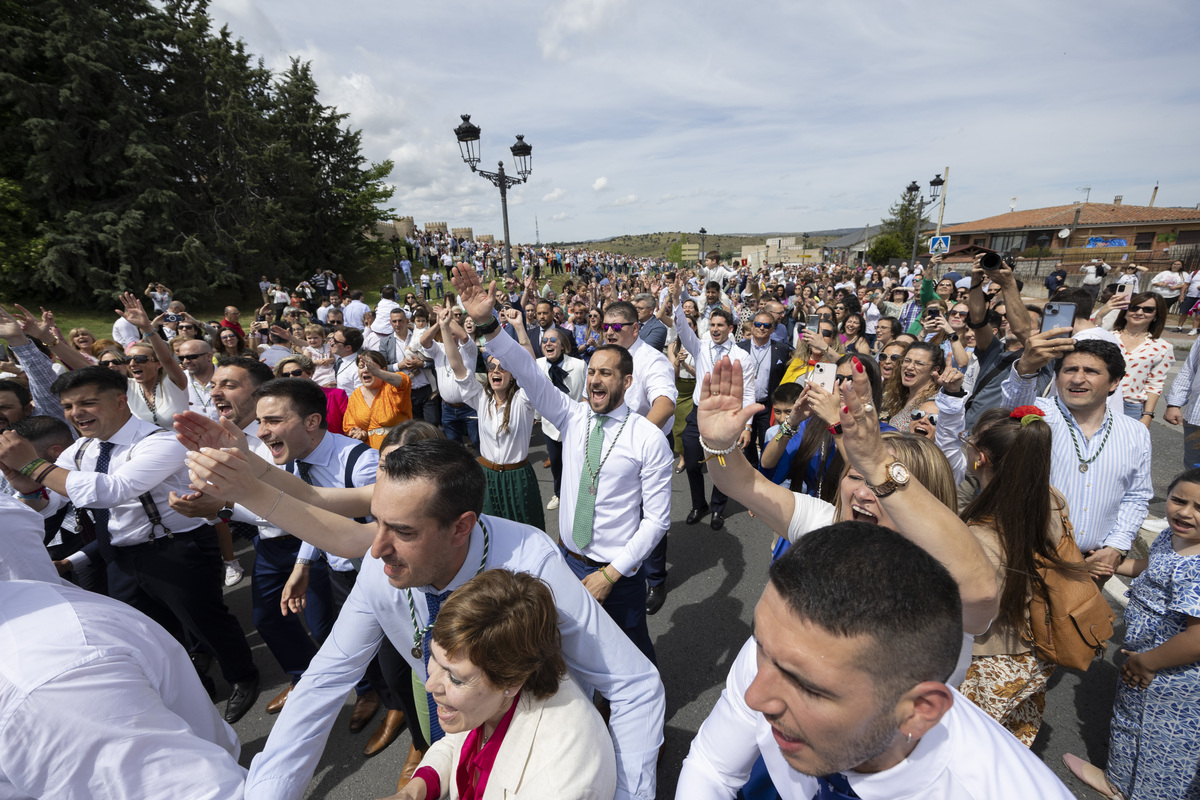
[[468, 144], [935, 190]]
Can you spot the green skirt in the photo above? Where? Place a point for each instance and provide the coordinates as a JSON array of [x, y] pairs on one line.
[[514, 494], [683, 407]]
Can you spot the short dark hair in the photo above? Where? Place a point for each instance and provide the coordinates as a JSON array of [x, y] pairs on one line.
[[858, 579], [1107, 352], [893, 324], [45, 430], [410, 430], [723, 314], [506, 624], [787, 393], [458, 479], [716, 287], [305, 396], [624, 359], [622, 309], [259, 372], [356, 294], [1082, 298], [353, 336], [98, 376], [19, 389]]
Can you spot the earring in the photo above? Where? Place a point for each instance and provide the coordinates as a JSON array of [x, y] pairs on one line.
[[908, 738], [978, 464], [506, 692]]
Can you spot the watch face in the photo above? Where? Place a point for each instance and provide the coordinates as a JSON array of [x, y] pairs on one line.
[[898, 472]]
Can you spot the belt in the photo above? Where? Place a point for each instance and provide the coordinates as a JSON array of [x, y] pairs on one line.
[[584, 559], [381, 431], [502, 467], [454, 405]]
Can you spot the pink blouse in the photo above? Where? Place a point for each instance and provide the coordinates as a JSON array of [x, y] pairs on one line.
[[1146, 368], [476, 758]]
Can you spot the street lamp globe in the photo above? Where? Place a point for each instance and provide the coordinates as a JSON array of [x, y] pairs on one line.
[[913, 188], [522, 152], [935, 187], [468, 141]]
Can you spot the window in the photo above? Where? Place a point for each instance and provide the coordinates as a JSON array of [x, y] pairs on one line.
[[1144, 241], [981, 241], [1004, 242]]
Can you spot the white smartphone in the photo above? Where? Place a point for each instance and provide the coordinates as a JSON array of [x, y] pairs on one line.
[[824, 375]]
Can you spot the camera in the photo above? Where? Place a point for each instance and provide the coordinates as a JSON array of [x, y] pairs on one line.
[[172, 317], [994, 260]]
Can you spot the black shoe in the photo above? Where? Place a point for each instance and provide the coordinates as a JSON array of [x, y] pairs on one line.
[[244, 695], [655, 597], [696, 514], [717, 521]]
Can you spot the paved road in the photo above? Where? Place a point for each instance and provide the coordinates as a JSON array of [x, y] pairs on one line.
[[715, 580]]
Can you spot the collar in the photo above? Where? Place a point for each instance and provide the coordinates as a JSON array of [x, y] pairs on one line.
[[322, 454], [130, 434]]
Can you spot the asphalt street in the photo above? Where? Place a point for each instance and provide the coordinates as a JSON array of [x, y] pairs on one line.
[[715, 580]]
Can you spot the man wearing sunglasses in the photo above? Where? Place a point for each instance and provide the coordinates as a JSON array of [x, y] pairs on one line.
[[195, 355], [770, 359]]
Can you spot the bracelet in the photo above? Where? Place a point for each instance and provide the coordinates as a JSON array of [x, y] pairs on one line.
[[836, 430], [41, 476], [32, 466], [275, 506], [302, 562], [785, 430], [1149, 414], [604, 572], [719, 454], [40, 494]]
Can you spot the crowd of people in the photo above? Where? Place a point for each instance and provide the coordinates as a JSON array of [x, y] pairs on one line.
[[921, 448]]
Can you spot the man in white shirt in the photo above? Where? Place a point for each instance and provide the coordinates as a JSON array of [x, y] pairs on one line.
[[23, 553], [195, 355], [707, 352], [383, 310], [162, 563], [612, 519], [354, 310], [838, 695], [344, 344], [125, 332], [78, 673]]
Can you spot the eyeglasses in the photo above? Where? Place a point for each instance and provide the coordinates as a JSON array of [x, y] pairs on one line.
[[764, 324], [908, 362], [1145, 309], [892, 357], [141, 359], [335, 341], [916, 415], [296, 373], [838, 380], [615, 327], [965, 438], [192, 357]]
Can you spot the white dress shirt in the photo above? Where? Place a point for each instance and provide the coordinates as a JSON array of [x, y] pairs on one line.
[[967, 754], [97, 700], [383, 316], [329, 461], [347, 373], [760, 358], [497, 446], [448, 386], [125, 332], [633, 493], [598, 654], [22, 554], [1108, 502], [576, 376], [707, 353], [352, 314], [200, 398], [1185, 390], [653, 377], [140, 463]]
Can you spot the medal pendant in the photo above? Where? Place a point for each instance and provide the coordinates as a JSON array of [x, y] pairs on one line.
[[1083, 467], [592, 490], [416, 651]]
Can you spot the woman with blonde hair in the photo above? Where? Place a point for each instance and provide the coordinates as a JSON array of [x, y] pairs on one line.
[[81, 339], [912, 383]]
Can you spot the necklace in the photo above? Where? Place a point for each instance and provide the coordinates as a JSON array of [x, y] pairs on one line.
[[595, 476], [204, 401], [418, 631], [149, 398], [1083, 465]]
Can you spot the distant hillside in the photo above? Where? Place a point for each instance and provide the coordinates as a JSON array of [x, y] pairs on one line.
[[657, 244]]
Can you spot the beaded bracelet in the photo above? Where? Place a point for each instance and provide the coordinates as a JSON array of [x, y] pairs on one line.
[[29, 468], [719, 454]]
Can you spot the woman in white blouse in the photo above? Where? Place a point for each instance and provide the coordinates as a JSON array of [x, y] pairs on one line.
[[158, 388], [505, 426]]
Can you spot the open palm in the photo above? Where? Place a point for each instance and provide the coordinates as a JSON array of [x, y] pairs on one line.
[[720, 415], [477, 302]]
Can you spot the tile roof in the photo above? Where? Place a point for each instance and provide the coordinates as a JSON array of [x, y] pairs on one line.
[[1092, 215]]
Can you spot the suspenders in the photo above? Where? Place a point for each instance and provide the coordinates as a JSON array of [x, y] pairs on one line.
[[148, 504]]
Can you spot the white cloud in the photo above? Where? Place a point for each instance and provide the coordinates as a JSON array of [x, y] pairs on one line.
[[557, 194], [624, 201], [599, 184], [560, 216], [572, 24]]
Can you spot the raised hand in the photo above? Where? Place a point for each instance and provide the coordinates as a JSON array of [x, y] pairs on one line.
[[720, 416], [30, 324], [134, 312], [195, 431], [10, 329], [950, 379], [471, 294]]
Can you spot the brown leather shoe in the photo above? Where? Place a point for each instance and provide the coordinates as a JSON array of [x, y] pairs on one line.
[[385, 734], [276, 705], [364, 708], [410, 766]]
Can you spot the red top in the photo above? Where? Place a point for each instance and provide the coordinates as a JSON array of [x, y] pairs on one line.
[[335, 408], [475, 762]]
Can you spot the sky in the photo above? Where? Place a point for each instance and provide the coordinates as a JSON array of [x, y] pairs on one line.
[[751, 117]]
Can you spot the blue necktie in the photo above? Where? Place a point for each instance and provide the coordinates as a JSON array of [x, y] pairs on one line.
[[434, 603], [100, 516], [834, 787]]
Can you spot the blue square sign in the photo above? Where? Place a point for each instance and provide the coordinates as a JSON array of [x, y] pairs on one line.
[[939, 244]]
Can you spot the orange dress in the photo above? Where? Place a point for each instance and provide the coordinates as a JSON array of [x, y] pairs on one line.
[[392, 405]]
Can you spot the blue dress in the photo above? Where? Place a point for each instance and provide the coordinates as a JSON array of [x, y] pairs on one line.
[[1162, 721]]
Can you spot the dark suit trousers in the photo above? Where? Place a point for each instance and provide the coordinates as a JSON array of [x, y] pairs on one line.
[[178, 581], [758, 433], [342, 583], [693, 455], [286, 637], [626, 604]]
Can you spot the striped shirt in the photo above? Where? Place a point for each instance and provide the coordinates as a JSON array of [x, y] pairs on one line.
[[1108, 502], [1185, 391]]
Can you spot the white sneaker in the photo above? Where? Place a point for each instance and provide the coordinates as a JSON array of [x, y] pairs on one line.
[[553, 504], [233, 572], [1193, 331]]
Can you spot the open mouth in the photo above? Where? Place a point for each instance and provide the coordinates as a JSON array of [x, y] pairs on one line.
[[223, 408], [598, 393], [277, 450], [860, 514], [85, 425]]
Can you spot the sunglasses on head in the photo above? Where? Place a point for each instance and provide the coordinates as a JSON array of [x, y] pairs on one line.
[[916, 415], [615, 327]]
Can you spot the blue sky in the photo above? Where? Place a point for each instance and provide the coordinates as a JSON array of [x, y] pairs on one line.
[[753, 116]]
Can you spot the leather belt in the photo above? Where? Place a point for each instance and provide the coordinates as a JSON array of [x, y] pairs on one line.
[[454, 405], [584, 559], [502, 467]]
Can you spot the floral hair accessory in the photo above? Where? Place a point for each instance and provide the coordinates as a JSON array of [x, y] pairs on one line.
[[1027, 414]]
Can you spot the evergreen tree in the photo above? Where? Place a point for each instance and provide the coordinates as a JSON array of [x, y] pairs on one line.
[[902, 224]]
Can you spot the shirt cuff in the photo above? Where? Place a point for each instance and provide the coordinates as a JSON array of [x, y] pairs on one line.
[[433, 783]]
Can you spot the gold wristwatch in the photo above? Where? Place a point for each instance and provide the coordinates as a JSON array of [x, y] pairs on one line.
[[897, 476]]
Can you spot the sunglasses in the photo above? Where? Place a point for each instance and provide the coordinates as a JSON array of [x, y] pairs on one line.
[[764, 325], [615, 327], [838, 380], [916, 415], [185, 327], [495, 368], [959, 313], [1145, 309], [114, 362], [141, 359], [296, 373], [893, 357], [192, 357]]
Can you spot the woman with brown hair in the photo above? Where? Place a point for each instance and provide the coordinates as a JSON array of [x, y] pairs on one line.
[[1148, 357], [381, 402], [1017, 517], [912, 383]]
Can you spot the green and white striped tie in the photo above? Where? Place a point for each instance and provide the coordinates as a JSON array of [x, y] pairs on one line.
[[585, 504]]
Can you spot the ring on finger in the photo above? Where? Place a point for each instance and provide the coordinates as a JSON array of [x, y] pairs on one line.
[[867, 407]]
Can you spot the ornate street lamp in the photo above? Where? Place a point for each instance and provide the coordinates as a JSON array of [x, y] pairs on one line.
[[935, 191], [468, 144], [703, 255]]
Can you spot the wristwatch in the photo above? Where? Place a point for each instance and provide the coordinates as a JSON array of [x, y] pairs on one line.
[[225, 513], [897, 476]]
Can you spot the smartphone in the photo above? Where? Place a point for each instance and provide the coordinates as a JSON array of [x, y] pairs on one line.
[[1058, 315], [1124, 290], [824, 375], [814, 322], [933, 312]]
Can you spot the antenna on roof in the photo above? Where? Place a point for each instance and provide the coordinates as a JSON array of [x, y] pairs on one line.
[[1086, 189]]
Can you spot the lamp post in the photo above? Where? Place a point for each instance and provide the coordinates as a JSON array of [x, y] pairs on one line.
[[935, 189], [703, 233], [468, 143]]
